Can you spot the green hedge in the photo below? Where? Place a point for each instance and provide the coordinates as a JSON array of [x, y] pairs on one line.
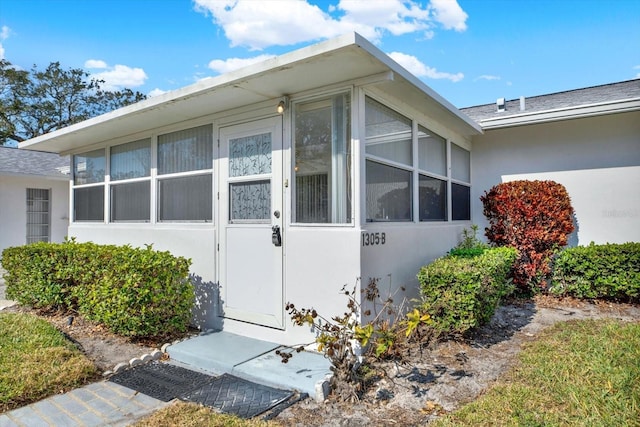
[[134, 292], [610, 271], [462, 292]]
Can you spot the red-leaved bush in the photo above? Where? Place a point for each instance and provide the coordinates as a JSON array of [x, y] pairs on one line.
[[535, 217]]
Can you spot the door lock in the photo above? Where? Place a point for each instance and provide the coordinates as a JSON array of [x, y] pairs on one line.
[[276, 238]]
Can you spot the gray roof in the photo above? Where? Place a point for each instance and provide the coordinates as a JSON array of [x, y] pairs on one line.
[[629, 89], [14, 161]]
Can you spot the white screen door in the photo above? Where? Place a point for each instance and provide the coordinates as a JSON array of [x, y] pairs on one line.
[[250, 206]]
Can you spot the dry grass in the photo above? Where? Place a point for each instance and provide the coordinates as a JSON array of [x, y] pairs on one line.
[[37, 361], [192, 415]]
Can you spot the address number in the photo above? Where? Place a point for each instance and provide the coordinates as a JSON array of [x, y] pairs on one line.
[[371, 239]]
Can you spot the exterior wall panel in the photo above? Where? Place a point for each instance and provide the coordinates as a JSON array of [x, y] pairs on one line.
[[597, 159]]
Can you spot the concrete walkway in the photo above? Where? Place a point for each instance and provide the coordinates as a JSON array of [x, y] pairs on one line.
[[99, 404]]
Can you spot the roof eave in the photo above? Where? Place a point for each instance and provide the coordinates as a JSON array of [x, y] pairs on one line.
[[567, 113], [245, 84]]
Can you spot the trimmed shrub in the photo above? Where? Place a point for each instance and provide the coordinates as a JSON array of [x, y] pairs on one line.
[[134, 292], [610, 271], [461, 293], [535, 217]]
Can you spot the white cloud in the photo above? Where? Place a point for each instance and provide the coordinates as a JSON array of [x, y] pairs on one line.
[[258, 25], [156, 92], [119, 76], [4, 34], [449, 14], [419, 69], [95, 63], [487, 77], [637, 67], [230, 64]]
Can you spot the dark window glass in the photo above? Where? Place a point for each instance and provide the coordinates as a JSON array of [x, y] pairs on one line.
[[460, 202], [186, 198], [130, 202], [433, 199], [88, 204], [388, 193]]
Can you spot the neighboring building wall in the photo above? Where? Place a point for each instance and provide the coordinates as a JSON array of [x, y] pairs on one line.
[[13, 208], [597, 159]]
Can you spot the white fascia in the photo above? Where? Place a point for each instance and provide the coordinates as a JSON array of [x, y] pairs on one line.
[[565, 113]]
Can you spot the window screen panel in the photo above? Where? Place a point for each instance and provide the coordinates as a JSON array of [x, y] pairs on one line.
[[460, 202], [89, 168], [186, 198], [88, 204], [131, 201], [388, 193], [433, 199], [460, 163], [323, 161], [388, 133], [432, 152], [132, 160], [185, 150]]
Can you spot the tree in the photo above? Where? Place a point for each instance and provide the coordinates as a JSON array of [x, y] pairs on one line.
[[36, 102]]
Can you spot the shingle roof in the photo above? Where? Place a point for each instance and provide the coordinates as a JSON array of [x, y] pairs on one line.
[[14, 161], [629, 89]]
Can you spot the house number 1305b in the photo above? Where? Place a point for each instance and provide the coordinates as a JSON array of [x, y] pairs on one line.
[[370, 239]]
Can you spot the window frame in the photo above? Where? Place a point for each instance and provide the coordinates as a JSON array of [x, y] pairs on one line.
[[153, 178], [335, 208], [415, 167]]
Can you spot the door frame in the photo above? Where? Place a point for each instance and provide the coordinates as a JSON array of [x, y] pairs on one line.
[[273, 124]]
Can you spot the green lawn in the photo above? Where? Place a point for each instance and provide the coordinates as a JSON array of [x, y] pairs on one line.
[[36, 361], [579, 373]]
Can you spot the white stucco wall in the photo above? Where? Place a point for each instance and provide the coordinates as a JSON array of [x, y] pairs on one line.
[[597, 159], [407, 248], [13, 208]]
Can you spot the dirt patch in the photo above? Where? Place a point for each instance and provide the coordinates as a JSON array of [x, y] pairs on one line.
[[440, 380]]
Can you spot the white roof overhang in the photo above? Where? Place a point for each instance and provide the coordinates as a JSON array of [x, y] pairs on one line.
[[344, 59], [566, 113]]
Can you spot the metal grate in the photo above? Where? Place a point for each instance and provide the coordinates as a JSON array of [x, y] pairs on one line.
[[161, 380], [234, 395]]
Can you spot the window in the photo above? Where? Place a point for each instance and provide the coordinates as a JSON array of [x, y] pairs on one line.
[[388, 133], [88, 193], [88, 204], [322, 166], [185, 175], [461, 190], [130, 188], [131, 202], [388, 193], [388, 147], [433, 199], [186, 198], [392, 173], [432, 162], [38, 215]]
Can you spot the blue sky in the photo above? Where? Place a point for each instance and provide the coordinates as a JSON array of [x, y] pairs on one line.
[[469, 51]]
